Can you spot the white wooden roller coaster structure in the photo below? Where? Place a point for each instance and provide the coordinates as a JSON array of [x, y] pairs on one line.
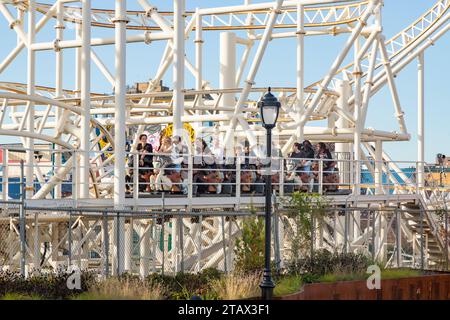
[[74, 121]]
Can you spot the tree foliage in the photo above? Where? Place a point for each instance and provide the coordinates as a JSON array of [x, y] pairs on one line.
[[249, 250], [308, 212]]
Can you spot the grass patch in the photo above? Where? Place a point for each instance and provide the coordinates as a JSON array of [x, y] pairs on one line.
[[336, 277], [89, 296], [123, 289], [18, 296], [385, 275], [287, 285], [399, 273], [237, 286]]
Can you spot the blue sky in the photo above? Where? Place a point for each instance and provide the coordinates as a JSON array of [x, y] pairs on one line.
[[277, 69]]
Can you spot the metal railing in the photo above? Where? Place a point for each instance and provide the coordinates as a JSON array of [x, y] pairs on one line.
[[57, 175]]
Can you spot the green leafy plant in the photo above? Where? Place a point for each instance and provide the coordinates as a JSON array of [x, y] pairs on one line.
[[183, 294], [52, 285], [310, 278], [323, 262], [287, 285], [185, 285], [308, 212], [249, 250]]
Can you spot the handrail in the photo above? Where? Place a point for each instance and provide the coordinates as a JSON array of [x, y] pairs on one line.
[[225, 176]]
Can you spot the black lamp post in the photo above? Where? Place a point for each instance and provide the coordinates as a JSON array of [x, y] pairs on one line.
[[269, 107]]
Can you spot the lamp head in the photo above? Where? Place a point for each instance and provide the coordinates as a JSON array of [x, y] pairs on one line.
[[269, 107]]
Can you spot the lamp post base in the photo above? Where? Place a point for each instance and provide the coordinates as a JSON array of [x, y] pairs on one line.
[[267, 286]]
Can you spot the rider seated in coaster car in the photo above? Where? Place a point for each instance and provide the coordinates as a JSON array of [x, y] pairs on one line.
[[293, 166], [144, 181], [213, 179], [331, 178], [315, 176], [167, 174], [159, 180], [206, 176], [248, 168], [248, 177], [176, 179], [130, 176], [229, 173]]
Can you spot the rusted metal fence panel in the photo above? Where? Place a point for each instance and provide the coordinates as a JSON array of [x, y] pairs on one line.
[[429, 287]]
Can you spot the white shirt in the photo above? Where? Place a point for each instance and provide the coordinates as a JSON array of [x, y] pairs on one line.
[[177, 151], [218, 154]]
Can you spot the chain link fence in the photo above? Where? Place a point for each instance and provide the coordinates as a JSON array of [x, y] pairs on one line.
[[113, 242]]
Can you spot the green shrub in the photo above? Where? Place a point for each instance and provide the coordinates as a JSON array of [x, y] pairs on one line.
[[45, 285], [287, 285], [249, 250], [310, 278], [308, 211], [185, 285], [324, 262]]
